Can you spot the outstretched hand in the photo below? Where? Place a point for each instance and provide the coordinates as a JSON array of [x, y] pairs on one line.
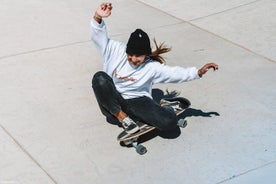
[[104, 10], [206, 67]]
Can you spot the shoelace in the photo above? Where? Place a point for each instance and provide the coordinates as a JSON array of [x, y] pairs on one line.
[[176, 107]]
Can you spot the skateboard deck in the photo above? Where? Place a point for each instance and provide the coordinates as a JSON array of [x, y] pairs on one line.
[[144, 128], [132, 139]]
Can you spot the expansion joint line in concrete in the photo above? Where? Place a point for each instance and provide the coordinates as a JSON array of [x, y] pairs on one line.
[[246, 172], [212, 33], [230, 9], [42, 49], [234, 43], [28, 154]]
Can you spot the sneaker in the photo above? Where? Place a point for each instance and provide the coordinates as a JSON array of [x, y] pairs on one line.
[[179, 104], [174, 105], [130, 126]]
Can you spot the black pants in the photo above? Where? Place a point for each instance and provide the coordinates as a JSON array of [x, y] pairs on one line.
[[143, 108]]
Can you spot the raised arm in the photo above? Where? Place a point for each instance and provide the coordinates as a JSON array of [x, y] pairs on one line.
[[98, 28]]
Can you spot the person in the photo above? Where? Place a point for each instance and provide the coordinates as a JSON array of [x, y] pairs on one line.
[[123, 89]]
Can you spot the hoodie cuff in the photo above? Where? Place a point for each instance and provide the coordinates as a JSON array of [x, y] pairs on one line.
[[96, 25]]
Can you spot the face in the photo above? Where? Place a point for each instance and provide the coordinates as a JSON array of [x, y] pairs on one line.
[[136, 60]]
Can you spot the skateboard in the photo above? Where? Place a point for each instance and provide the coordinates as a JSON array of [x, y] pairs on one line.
[[132, 139]]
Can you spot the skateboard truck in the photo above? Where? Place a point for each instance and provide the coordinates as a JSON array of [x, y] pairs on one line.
[[140, 149]]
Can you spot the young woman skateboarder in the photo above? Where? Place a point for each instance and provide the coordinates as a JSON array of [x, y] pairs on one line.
[[123, 88]]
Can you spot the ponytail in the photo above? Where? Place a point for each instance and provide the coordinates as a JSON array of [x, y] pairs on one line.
[[161, 49]]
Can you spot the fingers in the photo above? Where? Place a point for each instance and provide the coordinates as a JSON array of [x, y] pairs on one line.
[[206, 67], [104, 10], [215, 66], [105, 6], [212, 65]]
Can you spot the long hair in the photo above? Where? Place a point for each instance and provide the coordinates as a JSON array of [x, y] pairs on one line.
[[160, 49]]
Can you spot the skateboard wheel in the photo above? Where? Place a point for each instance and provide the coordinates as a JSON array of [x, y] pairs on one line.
[[182, 123], [141, 149]]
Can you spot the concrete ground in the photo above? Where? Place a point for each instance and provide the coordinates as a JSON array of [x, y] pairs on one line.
[[51, 130]]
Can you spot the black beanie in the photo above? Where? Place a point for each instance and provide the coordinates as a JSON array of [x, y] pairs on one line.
[[138, 43]]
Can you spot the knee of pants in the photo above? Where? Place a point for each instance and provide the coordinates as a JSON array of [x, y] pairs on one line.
[[168, 123], [100, 79]]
